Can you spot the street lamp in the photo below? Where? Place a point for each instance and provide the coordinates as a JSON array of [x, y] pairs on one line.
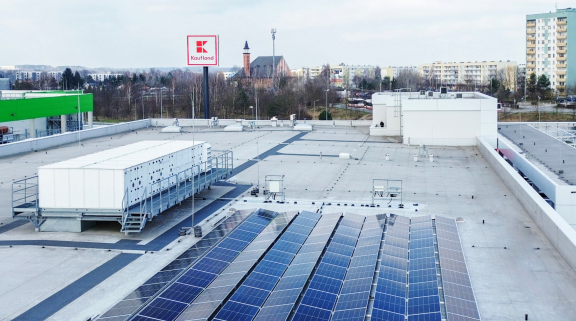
[[538, 107], [328, 89], [315, 105], [252, 107], [273, 31]]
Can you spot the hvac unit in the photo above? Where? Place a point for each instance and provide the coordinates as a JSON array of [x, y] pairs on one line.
[[101, 182]]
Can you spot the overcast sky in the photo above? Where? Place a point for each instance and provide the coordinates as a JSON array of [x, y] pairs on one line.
[[144, 34]]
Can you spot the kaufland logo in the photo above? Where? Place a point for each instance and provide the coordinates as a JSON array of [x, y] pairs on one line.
[[200, 46], [203, 50]]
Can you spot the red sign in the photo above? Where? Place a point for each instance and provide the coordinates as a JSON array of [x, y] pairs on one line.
[[203, 50]]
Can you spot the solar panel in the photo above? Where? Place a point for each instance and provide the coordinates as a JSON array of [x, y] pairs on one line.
[[349, 315], [396, 241], [462, 307], [421, 219], [423, 289], [281, 301], [381, 315], [323, 291], [395, 251], [390, 303], [204, 271], [458, 293], [251, 295], [422, 252]]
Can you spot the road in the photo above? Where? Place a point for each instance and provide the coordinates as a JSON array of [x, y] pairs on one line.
[[526, 108]]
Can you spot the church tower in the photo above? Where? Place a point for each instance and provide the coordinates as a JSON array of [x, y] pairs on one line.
[[246, 59]]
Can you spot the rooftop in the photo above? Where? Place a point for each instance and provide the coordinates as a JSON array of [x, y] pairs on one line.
[[65, 276], [545, 149]]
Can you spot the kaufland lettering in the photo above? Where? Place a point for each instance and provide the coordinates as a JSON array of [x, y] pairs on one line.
[[201, 58]]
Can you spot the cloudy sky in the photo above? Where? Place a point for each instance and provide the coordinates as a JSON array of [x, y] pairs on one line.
[[144, 33]]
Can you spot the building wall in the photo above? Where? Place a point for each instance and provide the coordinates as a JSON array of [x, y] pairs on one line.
[[4, 84], [446, 121], [102, 77], [30, 108], [22, 126], [545, 35], [475, 73]]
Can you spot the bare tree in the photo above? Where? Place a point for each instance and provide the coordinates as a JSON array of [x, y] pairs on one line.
[[408, 78]]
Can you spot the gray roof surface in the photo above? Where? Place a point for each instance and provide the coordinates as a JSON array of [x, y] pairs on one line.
[[549, 151], [513, 267]]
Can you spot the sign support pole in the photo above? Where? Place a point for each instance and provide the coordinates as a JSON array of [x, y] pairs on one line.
[[206, 94]]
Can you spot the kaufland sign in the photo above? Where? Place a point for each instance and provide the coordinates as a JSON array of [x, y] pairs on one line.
[[203, 50]]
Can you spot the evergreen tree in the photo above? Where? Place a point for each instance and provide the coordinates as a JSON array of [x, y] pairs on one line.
[[67, 79], [531, 86], [543, 86], [322, 115], [78, 80]]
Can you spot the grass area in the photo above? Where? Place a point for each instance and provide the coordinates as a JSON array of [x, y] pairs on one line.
[[533, 117], [338, 113], [111, 120]]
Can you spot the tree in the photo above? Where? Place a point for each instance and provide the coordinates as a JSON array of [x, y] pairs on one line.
[[494, 85], [67, 81], [408, 78], [531, 86], [543, 87], [377, 73], [78, 80], [386, 83], [502, 94], [322, 115]]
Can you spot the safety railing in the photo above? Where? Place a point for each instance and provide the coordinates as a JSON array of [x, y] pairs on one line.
[[25, 196]]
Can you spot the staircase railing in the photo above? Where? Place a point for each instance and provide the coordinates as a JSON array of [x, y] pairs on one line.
[[125, 208]]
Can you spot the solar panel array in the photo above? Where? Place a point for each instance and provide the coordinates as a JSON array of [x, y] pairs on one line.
[[125, 308], [460, 301], [175, 299], [324, 267]]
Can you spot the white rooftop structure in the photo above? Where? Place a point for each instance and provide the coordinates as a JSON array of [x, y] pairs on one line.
[[435, 118]]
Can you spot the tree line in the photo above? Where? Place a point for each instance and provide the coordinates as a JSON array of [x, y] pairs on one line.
[[174, 94]]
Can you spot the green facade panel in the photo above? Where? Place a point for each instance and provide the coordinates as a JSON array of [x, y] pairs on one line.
[[30, 108]]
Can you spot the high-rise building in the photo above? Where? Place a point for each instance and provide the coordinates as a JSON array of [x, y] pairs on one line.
[[550, 41]]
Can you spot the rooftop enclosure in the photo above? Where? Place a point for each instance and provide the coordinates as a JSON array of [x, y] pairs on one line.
[[129, 184], [102, 180], [431, 118], [21, 105]]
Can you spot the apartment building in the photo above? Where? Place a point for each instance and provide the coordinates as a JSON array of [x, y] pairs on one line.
[[22, 75], [478, 73], [550, 41], [102, 77], [393, 72], [344, 76]]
